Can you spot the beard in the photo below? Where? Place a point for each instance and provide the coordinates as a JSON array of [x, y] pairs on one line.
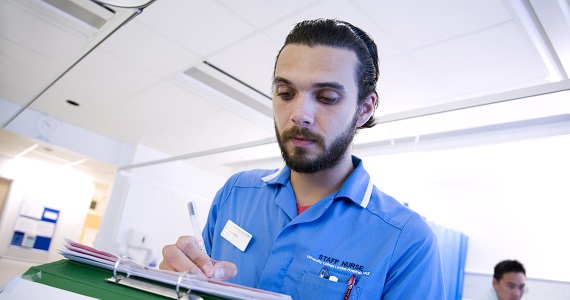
[[297, 159]]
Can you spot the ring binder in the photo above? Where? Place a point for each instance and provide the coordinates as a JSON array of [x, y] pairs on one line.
[[153, 288], [178, 286], [171, 284], [116, 267], [149, 287]]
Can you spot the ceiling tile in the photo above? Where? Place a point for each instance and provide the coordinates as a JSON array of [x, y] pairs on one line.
[[18, 86], [211, 131], [339, 9], [201, 26], [257, 53], [404, 85], [261, 13], [223, 100], [83, 88], [35, 65], [491, 59], [415, 23], [25, 28], [165, 105], [17, 96], [113, 71], [342, 10], [138, 44], [53, 102]]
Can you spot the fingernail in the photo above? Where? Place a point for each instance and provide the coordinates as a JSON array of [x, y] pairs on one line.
[[219, 273]]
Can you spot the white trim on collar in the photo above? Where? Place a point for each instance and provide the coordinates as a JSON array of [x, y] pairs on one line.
[[363, 203], [367, 195], [271, 176]]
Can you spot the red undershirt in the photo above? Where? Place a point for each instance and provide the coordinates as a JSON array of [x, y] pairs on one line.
[[301, 209]]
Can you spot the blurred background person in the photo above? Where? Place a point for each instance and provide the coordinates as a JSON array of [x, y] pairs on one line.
[[509, 281]]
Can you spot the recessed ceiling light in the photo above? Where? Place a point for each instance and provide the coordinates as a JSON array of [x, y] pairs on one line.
[[72, 102]]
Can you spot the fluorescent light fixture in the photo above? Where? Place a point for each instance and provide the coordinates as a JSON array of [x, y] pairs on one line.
[[74, 163], [86, 11], [231, 87], [28, 150]]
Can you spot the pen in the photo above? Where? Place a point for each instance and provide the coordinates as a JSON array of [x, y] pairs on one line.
[[196, 227], [351, 282]]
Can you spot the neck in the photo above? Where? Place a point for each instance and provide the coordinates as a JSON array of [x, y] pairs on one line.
[[309, 188]]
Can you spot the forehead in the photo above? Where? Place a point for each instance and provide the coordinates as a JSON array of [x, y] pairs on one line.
[[514, 277], [316, 64]]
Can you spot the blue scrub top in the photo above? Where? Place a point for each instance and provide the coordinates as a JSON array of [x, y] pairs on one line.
[[356, 230]]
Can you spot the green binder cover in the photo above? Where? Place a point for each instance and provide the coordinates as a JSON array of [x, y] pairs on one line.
[[87, 280]]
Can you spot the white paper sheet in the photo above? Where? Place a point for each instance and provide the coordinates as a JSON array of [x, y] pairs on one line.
[[45, 229], [27, 225], [32, 210]]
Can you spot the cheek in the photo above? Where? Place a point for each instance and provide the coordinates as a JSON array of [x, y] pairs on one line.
[[278, 115], [280, 120], [502, 293], [333, 126]]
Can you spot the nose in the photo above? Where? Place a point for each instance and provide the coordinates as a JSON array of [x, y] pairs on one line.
[[517, 293], [303, 111]]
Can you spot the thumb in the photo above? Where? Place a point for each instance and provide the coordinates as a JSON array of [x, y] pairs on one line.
[[224, 270]]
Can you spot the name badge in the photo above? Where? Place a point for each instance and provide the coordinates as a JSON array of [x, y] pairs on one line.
[[236, 235]]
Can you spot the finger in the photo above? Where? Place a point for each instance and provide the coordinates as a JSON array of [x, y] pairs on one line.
[[176, 260], [186, 255], [165, 266], [190, 248]]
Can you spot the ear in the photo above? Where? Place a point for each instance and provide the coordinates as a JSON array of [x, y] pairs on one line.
[[366, 109], [495, 283]]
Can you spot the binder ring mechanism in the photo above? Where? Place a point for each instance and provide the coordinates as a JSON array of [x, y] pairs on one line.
[[179, 295], [149, 287], [117, 264]]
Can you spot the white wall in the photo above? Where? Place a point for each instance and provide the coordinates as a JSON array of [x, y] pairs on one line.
[[510, 199], [46, 185], [153, 203]]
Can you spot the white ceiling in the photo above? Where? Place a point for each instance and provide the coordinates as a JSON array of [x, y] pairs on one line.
[[434, 55]]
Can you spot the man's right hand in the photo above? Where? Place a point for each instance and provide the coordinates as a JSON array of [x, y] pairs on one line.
[[185, 255]]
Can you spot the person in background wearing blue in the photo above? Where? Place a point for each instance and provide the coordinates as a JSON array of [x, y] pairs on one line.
[[509, 281], [317, 228]]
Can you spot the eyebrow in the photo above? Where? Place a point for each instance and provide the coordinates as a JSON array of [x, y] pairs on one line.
[[280, 79], [515, 284], [330, 84]]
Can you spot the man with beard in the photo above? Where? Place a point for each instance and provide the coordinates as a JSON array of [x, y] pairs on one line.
[[317, 228]]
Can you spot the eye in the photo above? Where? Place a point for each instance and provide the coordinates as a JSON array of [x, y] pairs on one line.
[[285, 92], [328, 97], [326, 100]]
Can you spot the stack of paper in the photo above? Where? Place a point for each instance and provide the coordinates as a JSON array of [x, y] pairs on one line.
[[88, 255]]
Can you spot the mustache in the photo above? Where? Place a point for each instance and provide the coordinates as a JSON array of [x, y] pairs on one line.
[[302, 132]]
